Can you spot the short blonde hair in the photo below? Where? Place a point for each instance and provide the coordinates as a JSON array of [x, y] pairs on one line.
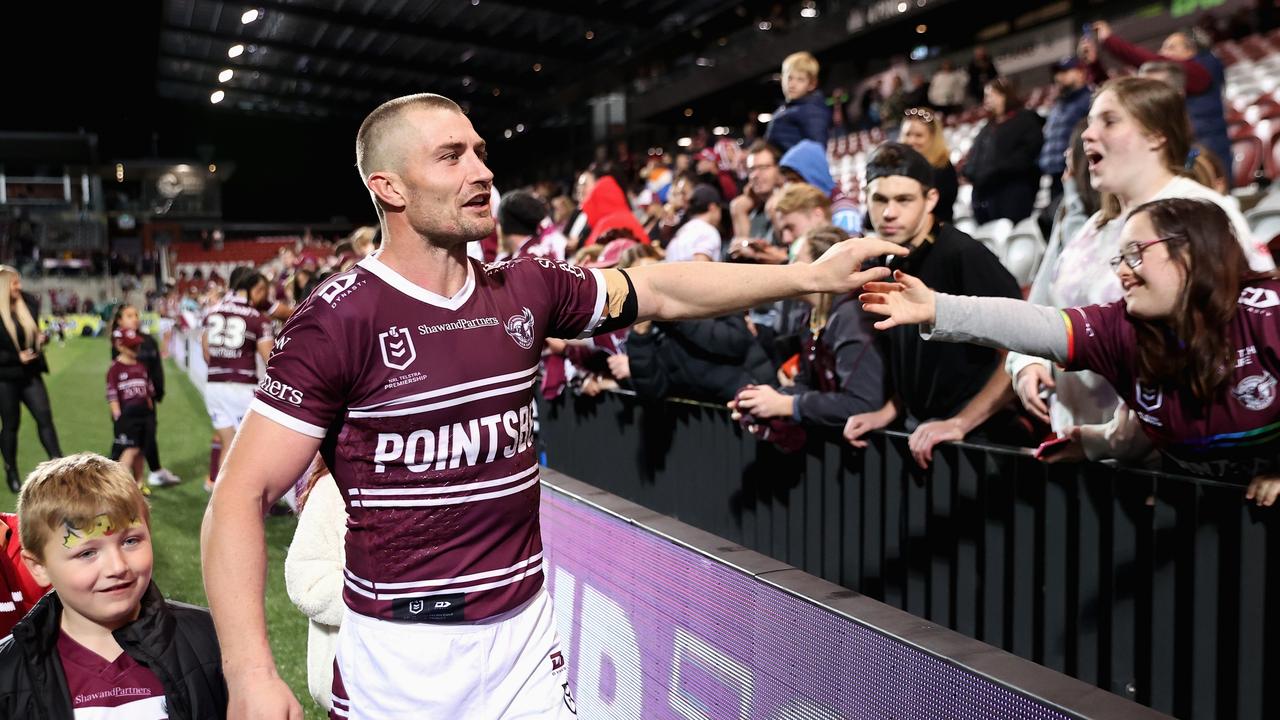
[[371, 150], [799, 197], [73, 491], [801, 62]]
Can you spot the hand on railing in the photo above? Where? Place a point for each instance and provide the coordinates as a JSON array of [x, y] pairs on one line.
[[927, 435], [1264, 490]]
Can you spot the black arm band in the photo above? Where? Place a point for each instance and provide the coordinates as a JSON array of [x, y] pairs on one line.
[[630, 309]]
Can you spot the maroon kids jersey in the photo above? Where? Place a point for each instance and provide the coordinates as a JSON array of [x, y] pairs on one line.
[[120, 689], [1237, 435], [129, 385], [425, 407], [234, 329]]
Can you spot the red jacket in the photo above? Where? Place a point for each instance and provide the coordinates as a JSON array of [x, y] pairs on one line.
[[606, 208], [18, 590]]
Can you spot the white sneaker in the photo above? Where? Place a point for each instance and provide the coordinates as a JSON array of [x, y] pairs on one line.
[[162, 478]]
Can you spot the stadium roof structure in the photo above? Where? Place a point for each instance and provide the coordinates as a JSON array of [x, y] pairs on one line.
[[518, 60]]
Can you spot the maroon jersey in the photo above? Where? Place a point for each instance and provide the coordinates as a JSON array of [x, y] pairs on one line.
[[1237, 435], [425, 405], [119, 689], [234, 329], [129, 385]]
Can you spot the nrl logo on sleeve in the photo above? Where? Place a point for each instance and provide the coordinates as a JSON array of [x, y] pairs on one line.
[[520, 328], [1149, 398], [397, 348]]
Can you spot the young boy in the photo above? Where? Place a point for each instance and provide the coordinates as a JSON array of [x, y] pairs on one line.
[[804, 114], [104, 644]]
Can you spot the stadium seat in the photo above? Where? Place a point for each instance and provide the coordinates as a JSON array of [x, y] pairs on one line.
[[1264, 221], [1023, 251], [994, 235], [1247, 160]]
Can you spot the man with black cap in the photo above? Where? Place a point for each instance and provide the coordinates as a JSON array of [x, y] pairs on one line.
[[943, 394], [1074, 98], [521, 232]]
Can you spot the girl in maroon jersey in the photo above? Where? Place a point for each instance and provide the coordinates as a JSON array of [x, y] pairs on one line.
[[1194, 349], [130, 394]]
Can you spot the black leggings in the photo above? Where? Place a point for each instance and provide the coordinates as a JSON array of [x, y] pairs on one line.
[[32, 393]]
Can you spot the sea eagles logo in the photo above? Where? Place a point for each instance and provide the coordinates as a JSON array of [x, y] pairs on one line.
[[520, 328], [1149, 399], [1256, 392], [397, 348]]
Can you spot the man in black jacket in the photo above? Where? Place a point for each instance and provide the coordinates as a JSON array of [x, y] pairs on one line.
[[105, 640]]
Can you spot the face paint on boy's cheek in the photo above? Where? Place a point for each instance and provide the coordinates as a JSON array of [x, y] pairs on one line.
[[100, 527]]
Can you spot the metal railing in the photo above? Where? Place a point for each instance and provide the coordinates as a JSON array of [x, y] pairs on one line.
[[1152, 586]]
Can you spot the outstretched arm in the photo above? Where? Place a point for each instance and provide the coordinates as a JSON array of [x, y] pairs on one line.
[[678, 291], [1002, 323]]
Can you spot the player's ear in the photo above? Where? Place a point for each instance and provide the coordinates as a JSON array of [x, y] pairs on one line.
[[387, 189]]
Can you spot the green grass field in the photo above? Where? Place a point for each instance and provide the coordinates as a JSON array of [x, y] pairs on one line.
[[77, 387]]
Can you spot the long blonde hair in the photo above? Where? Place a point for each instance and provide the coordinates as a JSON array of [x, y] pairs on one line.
[[9, 309], [937, 152]]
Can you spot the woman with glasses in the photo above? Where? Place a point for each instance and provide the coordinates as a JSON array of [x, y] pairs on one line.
[[1135, 148], [1193, 349], [922, 131], [1003, 163]]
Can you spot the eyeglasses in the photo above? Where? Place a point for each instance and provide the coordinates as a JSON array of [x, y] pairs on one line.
[[923, 113], [1131, 255]]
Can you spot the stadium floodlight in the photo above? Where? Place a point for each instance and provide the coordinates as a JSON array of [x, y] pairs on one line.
[[250, 16], [235, 51], [684, 142], [217, 97], [764, 117], [225, 75]]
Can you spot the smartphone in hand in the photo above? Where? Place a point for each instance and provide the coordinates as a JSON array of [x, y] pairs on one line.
[[1049, 448]]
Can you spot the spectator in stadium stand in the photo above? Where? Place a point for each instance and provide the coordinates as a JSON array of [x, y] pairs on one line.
[[942, 393], [1002, 161], [982, 70], [709, 172], [796, 208], [922, 131], [337, 384], [524, 229], [750, 217], [22, 362], [840, 371], [699, 237], [1166, 71], [1072, 105], [807, 162], [947, 88], [1192, 349], [1135, 148], [893, 105], [804, 114], [606, 207], [1205, 81]]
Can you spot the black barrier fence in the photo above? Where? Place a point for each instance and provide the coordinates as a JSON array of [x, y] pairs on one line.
[[1152, 586]]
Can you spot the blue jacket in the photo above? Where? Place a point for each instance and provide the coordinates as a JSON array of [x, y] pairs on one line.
[[805, 118], [1068, 111], [1208, 116], [809, 159]]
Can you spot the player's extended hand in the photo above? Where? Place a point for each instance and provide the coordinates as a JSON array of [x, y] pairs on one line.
[[907, 301], [839, 270], [923, 440], [260, 695]]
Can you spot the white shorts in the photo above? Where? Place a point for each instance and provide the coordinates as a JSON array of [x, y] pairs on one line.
[[227, 403], [508, 667]]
